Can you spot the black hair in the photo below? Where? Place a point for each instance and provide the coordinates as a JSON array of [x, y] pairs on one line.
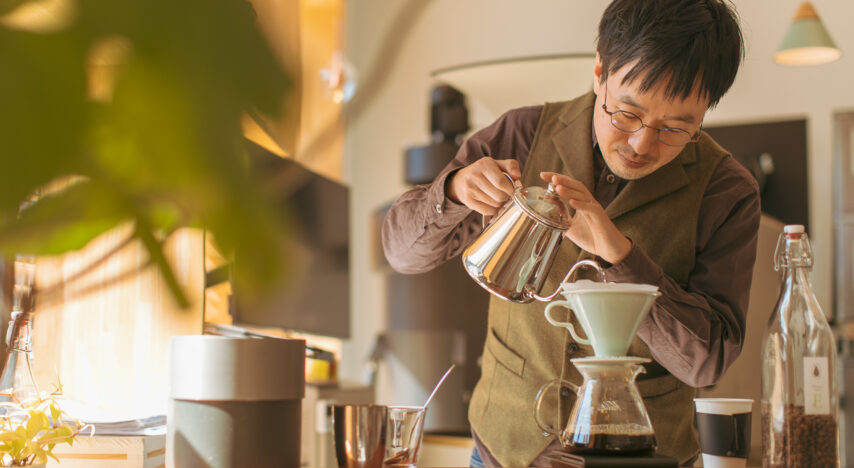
[[685, 42]]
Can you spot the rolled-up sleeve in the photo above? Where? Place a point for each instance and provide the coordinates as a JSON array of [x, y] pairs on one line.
[[697, 332], [423, 228]]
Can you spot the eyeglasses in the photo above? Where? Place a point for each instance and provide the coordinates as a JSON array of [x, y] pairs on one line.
[[630, 123]]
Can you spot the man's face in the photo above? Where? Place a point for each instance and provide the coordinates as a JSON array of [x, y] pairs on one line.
[[634, 155]]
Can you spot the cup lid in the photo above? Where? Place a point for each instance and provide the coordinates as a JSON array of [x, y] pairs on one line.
[[725, 406], [545, 205]]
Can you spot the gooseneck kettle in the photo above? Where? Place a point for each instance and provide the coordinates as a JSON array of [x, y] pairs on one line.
[[512, 256]]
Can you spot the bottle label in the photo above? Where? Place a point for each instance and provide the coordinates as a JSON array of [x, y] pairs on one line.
[[816, 386]]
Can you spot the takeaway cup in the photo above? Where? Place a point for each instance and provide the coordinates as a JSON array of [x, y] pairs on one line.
[[724, 427]]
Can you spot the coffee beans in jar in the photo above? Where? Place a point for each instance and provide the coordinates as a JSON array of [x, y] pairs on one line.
[[799, 439]]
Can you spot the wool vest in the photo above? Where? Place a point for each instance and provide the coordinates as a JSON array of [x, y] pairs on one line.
[[523, 351]]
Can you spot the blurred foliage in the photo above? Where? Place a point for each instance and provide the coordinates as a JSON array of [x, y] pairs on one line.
[[165, 151]]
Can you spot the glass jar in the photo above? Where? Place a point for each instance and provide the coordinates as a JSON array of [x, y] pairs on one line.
[[799, 383], [17, 383]]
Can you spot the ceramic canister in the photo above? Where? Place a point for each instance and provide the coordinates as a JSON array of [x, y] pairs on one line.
[[235, 402]]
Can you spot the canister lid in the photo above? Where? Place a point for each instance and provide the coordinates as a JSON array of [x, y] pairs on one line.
[[545, 205], [205, 368]]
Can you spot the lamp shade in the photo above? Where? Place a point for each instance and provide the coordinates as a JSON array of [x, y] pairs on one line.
[[807, 42], [501, 85]]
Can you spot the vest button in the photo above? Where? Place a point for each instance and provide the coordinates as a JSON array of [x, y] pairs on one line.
[[610, 178], [565, 392], [571, 349]]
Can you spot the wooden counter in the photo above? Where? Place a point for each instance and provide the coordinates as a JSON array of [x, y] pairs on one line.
[[445, 450]]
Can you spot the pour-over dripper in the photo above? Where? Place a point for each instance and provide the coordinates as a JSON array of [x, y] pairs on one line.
[[609, 416], [609, 313]]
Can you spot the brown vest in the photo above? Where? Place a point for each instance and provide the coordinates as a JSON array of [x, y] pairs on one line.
[[523, 351]]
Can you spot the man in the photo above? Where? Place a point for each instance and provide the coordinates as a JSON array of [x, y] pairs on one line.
[[656, 201]]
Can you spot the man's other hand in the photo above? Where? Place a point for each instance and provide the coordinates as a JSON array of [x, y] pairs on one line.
[[591, 228], [482, 185]]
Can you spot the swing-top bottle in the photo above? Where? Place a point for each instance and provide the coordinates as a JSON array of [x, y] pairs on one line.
[[799, 381]]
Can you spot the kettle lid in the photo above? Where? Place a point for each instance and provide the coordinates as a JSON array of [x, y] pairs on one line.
[[544, 205]]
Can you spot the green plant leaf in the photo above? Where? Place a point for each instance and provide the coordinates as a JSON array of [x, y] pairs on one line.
[[8, 5], [55, 412], [155, 250], [62, 221], [42, 115], [165, 151], [39, 455], [36, 424]]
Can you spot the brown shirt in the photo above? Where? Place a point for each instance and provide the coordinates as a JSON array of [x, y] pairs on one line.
[[695, 332]]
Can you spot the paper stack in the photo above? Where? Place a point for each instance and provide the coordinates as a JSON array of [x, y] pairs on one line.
[[103, 451], [137, 442]]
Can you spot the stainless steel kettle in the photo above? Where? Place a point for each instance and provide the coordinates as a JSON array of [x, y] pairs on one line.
[[512, 257]]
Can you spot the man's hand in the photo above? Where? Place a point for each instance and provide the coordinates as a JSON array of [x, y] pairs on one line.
[[482, 185], [591, 229]]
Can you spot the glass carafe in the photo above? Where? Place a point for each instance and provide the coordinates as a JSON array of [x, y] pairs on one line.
[[799, 385], [16, 380], [609, 416]]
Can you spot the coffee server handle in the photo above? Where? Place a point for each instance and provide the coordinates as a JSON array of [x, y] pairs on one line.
[[589, 263], [486, 219], [546, 428]]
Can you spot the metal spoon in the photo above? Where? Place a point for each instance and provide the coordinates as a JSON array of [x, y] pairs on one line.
[[404, 454], [439, 384]]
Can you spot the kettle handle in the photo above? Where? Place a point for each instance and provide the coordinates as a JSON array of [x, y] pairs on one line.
[[547, 429], [590, 263], [484, 220]]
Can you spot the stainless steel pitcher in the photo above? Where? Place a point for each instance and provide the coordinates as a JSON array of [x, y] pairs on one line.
[[512, 257]]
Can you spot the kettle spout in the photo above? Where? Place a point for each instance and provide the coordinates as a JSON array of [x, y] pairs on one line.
[[600, 277]]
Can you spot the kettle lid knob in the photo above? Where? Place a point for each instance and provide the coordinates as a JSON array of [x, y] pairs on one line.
[[545, 205]]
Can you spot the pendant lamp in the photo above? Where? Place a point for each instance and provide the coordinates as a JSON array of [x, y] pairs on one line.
[[807, 42], [503, 84]]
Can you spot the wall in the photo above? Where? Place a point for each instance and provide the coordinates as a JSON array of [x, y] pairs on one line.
[[452, 32]]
